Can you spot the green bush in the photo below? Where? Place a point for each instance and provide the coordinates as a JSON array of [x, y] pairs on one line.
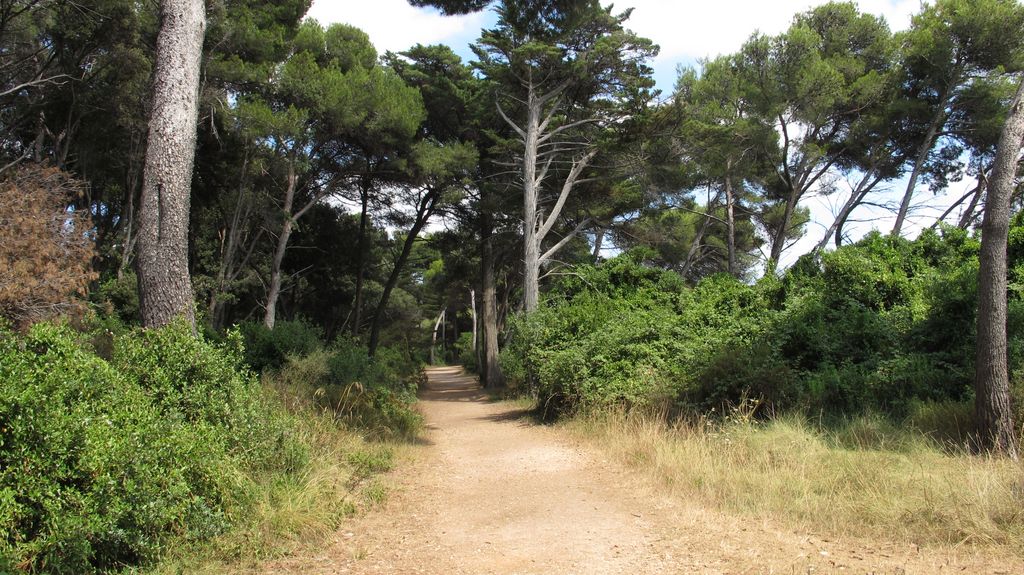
[[374, 395], [465, 354], [269, 348], [872, 327], [102, 464]]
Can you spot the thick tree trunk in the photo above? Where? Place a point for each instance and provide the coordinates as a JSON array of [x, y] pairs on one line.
[[490, 369], [274, 291], [357, 301], [991, 377], [531, 243], [165, 288]]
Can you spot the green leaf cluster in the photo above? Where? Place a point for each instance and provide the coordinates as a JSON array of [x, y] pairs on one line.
[[105, 462]]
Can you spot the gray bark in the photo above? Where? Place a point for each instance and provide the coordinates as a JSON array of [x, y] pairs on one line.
[[433, 337], [867, 183], [599, 243], [274, 291], [531, 243], [969, 215], [165, 288], [472, 311], [992, 413], [540, 109]]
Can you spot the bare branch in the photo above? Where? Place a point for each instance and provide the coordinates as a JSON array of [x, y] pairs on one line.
[[501, 111], [561, 243], [570, 181]]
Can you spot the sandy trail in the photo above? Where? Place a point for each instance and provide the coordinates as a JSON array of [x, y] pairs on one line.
[[492, 492]]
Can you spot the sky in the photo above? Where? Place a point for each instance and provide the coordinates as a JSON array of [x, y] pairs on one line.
[[686, 31]]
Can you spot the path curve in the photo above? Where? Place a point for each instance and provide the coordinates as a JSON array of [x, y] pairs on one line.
[[492, 492]]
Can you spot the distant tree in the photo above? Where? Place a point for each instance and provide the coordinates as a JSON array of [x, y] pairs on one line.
[[165, 287], [811, 84], [566, 75], [328, 117], [950, 45], [991, 380], [45, 250], [718, 143]]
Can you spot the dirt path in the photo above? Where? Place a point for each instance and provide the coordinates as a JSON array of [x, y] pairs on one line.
[[491, 492]]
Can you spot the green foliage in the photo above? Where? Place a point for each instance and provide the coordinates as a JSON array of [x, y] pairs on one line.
[[119, 297], [884, 325], [373, 395], [104, 463], [269, 348], [465, 354]]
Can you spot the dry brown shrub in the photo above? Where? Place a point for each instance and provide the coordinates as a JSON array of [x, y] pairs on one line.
[[45, 249]]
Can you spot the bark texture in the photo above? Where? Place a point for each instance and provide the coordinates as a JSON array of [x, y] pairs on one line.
[[991, 380], [165, 288], [490, 369]]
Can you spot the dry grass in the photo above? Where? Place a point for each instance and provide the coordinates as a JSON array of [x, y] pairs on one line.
[[287, 514], [865, 478]]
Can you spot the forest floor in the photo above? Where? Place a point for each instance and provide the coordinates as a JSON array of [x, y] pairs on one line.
[[490, 491]]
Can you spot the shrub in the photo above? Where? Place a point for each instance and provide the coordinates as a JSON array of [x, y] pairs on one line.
[[465, 353], [102, 464], [119, 297], [871, 327], [268, 348], [374, 395]]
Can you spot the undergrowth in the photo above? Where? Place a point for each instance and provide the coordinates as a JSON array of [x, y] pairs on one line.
[[124, 449]]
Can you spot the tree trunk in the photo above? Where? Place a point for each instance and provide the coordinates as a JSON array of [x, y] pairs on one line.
[[378, 317], [730, 218], [599, 243], [165, 288], [991, 377], [968, 216], [691, 254], [531, 243], [472, 312], [433, 338], [857, 195], [274, 291], [779, 239], [938, 120], [490, 368], [357, 301], [229, 245]]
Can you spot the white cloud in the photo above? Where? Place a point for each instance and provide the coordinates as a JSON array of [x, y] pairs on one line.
[[691, 30], [395, 25]]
